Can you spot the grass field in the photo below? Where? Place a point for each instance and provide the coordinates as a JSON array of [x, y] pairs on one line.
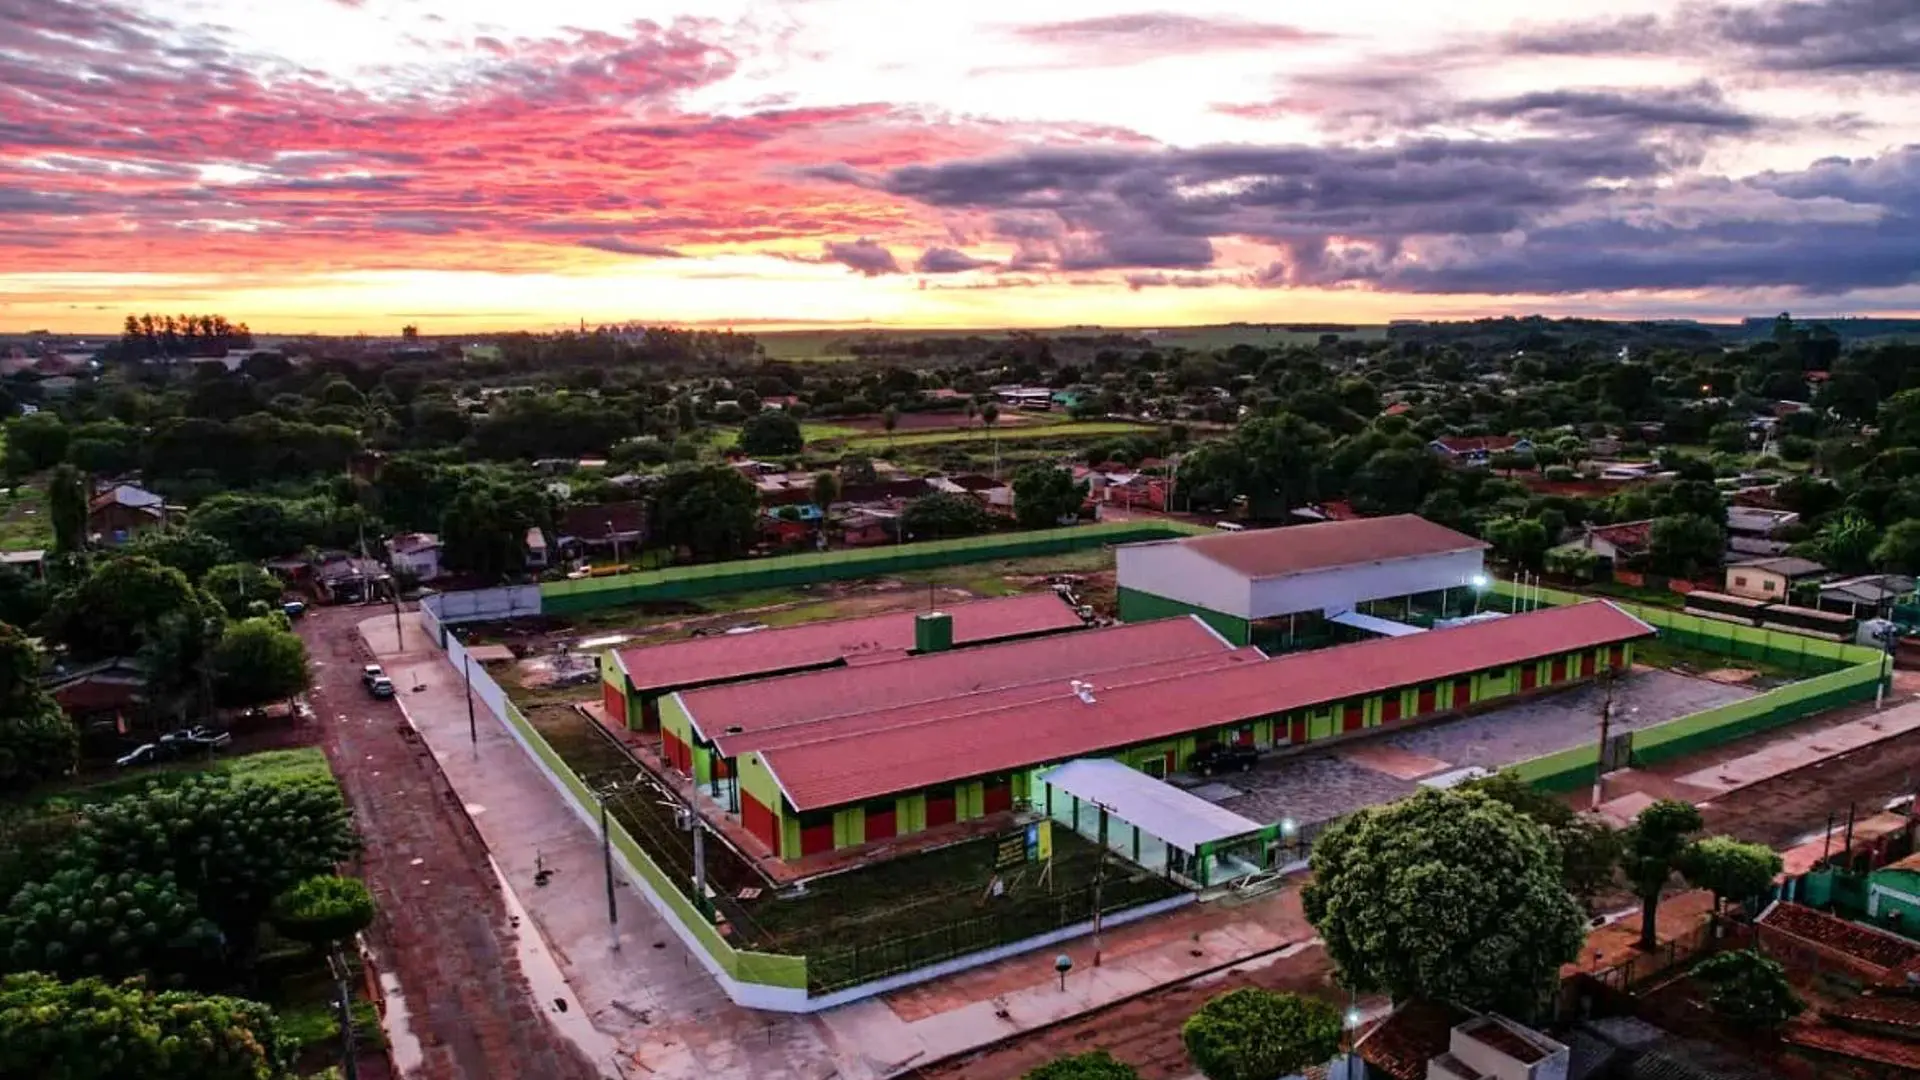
[[1086, 429], [829, 345], [811, 432], [24, 524]]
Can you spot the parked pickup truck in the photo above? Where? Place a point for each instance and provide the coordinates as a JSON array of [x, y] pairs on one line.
[[374, 678]]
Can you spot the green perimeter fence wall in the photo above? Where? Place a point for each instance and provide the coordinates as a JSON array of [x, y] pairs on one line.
[[689, 582], [1847, 673], [764, 969]]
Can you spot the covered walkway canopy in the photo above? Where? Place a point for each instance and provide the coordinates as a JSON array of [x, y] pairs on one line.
[[1154, 823], [1373, 624]]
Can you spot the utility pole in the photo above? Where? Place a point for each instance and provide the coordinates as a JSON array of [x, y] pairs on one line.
[[466, 668], [349, 1052], [606, 858], [1606, 719], [615, 537], [1099, 878]]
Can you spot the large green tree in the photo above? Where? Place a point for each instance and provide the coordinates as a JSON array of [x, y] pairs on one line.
[[257, 661], [1519, 540], [1447, 896], [37, 741], [1256, 1034], [1898, 551], [1749, 989], [1092, 1065], [236, 844], [1684, 545], [1731, 869], [772, 433], [1653, 845], [93, 1030], [1043, 495], [1589, 849], [484, 529], [944, 514], [120, 604], [711, 511], [189, 551], [242, 589], [82, 922], [35, 442]]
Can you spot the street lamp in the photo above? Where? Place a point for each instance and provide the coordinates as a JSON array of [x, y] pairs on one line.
[[1479, 583]]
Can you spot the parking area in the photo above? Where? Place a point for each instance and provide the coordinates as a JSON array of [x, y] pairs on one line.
[[1322, 786]]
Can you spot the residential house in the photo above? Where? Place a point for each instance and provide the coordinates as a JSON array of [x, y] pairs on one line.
[[1615, 544], [1866, 596], [1863, 1016], [1032, 398], [610, 527], [31, 563], [1893, 894], [122, 512], [996, 495], [1478, 449], [416, 555], [1753, 530], [866, 528], [884, 494], [1771, 579], [1629, 471], [112, 690], [341, 578]]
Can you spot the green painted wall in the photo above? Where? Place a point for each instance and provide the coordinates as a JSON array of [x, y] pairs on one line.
[[1894, 891], [755, 780], [849, 827], [1137, 606]]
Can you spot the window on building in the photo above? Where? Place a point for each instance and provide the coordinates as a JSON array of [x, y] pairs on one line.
[[1766, 586], [1740, 581]]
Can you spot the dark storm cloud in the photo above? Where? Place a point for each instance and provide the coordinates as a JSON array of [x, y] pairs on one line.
[[1859, 38], [946, 260], [1700, 106], [864, 255]]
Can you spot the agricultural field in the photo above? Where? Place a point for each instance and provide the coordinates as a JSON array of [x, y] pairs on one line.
[[24, 524]]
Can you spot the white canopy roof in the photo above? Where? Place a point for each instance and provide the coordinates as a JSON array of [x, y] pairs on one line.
[[1153, 806], [1374, 625]]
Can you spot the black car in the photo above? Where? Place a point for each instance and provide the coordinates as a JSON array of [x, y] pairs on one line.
[[1219, 757]]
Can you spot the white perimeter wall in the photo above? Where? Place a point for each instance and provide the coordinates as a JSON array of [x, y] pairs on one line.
[[1343, 587], [1170, 569]]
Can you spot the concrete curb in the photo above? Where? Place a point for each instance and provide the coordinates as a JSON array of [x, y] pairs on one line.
[[921, 1068]]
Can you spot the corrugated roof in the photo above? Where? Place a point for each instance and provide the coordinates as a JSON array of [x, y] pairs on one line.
[[1300, 549], [769, 704], [911, 755], [766, 652], [987, 702], [1154, 806]]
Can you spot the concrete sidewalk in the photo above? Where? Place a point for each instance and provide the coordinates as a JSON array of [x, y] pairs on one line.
[[668, 1018]]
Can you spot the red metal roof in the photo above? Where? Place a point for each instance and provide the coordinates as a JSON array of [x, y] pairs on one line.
[[917, 752], [1300, 549], [987, 702], [767, 704], [726, 657]]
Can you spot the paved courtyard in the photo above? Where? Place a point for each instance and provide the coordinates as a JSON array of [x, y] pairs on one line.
[[1320, 787]]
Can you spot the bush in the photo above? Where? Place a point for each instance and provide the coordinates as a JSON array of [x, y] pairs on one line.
[[1093, 1065], [1255, 1034], [323, 910]]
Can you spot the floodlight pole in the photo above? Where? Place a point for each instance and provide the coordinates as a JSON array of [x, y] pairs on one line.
[[606, 858], [1600, 759], [1099, 877]]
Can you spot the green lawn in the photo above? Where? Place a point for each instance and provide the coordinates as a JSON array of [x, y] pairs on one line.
[[725, 438], [1086, 429], [24, 524]]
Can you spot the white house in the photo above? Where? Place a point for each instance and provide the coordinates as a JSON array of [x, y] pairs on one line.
[[415, 554]]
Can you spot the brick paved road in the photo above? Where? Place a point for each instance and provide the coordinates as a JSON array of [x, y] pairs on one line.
[[443, 926]]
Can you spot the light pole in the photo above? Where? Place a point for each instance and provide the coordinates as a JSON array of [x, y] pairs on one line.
[[615, 537], [466, 668], [606, 859], [1479, 589]]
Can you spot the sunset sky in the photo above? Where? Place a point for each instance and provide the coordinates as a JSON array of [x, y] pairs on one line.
[[352, 165]]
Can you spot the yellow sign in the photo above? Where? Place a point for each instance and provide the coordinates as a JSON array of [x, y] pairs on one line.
[[1040, 841]]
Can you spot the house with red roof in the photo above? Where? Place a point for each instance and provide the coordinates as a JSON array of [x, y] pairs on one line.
[[1478, 449]]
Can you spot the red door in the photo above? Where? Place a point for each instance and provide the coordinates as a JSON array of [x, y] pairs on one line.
[[1462, 693], [881, 823], [1352, 717], [1390, 709], [1426, 699], [997, 797], [1586, 664], [1559, 669], [1529, 676], [1297, 729], [615, 701], [1617, 658], [940, 810], [815, 839], [759, 821], [1243, 737]]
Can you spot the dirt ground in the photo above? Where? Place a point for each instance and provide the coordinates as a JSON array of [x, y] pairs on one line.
[[442, 928]]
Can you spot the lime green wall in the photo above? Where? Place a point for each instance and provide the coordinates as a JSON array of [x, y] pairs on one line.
[[1137, 606], [674, 718], [755, 780], [849, 827]]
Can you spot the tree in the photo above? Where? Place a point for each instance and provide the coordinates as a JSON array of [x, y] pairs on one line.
[[990, 414], [826, 492], [1732, 870], [1394, 481], [855, 469], [1749, 990], [1690, 497], [67, 508], [37, 741], [189, 551], [944, 514], [1651, 851], [35, 442], [1279, 460], [243, 589], [1446, 896], [1898, 551], [93, 1030], [772, 433], [324, 910], [1092, 1065], [1845, 542], [118, 606], [256, 661], [1684, 545], [1256, 1034], [889, 419], [710, 511], [483, 531], [1520, 541], [236, 844], [82, 922], [1589, 850], [1044, 495]]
